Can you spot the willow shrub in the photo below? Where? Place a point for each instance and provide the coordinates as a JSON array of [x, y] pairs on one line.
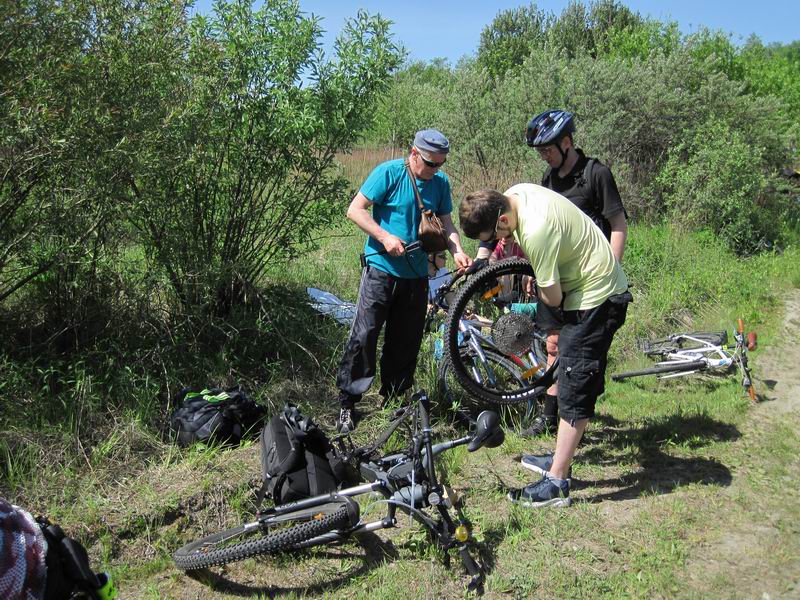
[[243, 172], [713, 181]]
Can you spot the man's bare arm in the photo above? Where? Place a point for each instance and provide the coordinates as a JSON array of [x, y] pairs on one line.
[[460, 257], [551, 295], [358, 213], [619, 233]]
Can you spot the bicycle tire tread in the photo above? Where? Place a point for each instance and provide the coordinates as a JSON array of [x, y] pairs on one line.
[[189, 557]]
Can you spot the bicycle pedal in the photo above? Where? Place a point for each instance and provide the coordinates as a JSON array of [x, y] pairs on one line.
[[449, 496]]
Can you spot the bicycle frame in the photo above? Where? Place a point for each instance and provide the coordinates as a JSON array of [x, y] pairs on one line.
[[475, 341], [704, 353], [408, 482]]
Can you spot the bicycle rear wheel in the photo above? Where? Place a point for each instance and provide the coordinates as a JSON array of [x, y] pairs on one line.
[[270, 536], [677, 367], [495, 300], [514, 416], [681, 341]]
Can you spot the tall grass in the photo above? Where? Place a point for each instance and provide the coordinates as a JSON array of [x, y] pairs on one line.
[[692, 281], [358, 163]]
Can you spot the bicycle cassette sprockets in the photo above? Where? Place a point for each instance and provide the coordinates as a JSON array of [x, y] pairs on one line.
[[512, 333]]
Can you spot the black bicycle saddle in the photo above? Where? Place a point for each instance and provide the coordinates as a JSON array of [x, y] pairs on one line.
[[488, 431]]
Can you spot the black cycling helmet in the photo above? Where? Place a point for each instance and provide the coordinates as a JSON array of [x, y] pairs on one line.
[[549, 127]]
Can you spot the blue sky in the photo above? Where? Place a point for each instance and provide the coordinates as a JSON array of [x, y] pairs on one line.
[[452, 28]]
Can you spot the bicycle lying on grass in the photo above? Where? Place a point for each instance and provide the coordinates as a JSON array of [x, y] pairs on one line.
[[685, 353], [406, 480], [485, 364]]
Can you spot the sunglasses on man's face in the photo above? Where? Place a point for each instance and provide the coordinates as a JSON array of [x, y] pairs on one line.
[[496, 235], [430, 163]]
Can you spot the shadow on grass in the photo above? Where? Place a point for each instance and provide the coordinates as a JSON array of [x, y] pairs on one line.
[[660, 472], [375, 552]]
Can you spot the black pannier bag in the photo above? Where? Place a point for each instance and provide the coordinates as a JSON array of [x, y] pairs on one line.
[[297, 459], [214, 415], [69, 574]]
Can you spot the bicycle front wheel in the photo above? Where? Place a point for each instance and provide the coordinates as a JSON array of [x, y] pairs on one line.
[[665, 369], [494, 311], [270, 536]]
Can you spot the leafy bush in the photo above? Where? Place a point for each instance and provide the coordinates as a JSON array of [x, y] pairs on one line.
[[649, 39], [242, 174], [715, 181], [59, 147], [214, 137], [509, 39], [580, 30], [417, 98]]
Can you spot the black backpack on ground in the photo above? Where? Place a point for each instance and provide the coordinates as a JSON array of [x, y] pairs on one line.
[[214, 415], [298, 460]]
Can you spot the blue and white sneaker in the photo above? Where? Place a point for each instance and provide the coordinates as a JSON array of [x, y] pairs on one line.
[[548, 491], [540, 464]]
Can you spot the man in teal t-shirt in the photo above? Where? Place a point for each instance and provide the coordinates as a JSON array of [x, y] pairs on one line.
[[394, 283]]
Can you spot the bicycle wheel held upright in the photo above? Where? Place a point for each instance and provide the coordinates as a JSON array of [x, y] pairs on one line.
[[494, 311]]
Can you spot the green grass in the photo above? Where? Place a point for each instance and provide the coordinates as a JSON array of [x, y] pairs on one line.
[[667, 471]]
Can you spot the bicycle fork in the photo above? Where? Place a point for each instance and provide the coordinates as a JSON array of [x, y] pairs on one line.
[[451, 535]]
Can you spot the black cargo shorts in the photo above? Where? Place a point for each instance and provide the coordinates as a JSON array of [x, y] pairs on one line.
[[583, 347]]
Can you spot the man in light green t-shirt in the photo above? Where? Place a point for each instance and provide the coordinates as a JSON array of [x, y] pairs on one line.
[[575, 270]]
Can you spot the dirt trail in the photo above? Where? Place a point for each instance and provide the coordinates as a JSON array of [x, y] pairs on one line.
[[752, 553], [779, 368]]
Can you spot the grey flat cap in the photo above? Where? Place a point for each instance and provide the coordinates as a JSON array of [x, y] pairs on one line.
[[432, 140]]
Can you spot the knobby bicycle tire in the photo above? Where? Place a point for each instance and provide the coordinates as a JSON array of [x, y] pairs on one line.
[[484, 284], [514, 416], [694, 365], [205, 552]]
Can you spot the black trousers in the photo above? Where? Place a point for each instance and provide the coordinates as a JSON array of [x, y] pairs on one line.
[[400, 305]]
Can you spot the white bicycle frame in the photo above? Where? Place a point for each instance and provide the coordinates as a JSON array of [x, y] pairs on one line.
[[713, 355]]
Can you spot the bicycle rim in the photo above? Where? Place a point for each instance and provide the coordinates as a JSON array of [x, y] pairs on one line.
[[516, 416], [492, 292], [257, 538]]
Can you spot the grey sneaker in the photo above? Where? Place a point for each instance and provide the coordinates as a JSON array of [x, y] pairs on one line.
[[548, 491], [347, 420], [540, 464]]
